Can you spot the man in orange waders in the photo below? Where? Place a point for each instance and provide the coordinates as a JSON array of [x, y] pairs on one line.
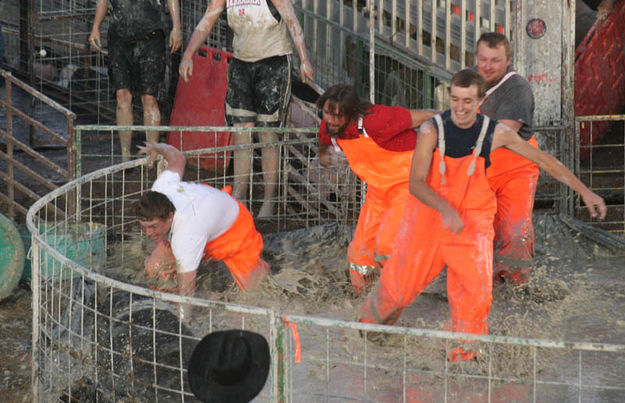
[[378, 142], [449, 221], [189, 222], [510, 101]]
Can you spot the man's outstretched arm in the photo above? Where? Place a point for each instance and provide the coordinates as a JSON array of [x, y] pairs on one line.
[[506, 137], [421, 115]]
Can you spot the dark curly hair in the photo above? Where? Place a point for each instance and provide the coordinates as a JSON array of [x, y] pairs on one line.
[[346, 99]]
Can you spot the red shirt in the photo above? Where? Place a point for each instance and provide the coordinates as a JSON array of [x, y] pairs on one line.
[[390, 127]]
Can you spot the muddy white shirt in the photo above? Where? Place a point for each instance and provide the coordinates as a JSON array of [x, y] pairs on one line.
[[203, 213], [258, 33]]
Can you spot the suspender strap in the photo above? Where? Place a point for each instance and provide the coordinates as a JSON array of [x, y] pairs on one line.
[[479, 144], [441, 145], [500, 83], [361, 128], [476, 151]]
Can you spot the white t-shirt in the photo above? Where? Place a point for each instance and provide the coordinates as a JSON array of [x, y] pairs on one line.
[[203, 213], [257, 33]]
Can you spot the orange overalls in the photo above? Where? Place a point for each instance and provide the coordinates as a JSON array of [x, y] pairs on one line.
[[513, 179], [386, 174], [423, 247], [239, 248]]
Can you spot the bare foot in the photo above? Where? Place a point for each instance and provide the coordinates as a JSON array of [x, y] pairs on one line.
[[266, 210]]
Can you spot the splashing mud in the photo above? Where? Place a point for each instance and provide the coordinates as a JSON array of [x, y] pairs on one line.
[[575, 294]]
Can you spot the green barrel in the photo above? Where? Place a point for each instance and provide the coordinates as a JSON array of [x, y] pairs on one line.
[[12, 256], [25, 233], [83, 243]]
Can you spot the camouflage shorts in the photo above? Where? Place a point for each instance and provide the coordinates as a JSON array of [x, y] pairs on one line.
[[259, 91], [138, 66]]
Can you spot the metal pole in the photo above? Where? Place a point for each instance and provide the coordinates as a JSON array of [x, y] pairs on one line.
[[36, 287], [10, 173], [371, 51]]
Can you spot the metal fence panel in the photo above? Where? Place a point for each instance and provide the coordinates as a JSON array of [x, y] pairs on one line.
[[599, 155], [96, 337]]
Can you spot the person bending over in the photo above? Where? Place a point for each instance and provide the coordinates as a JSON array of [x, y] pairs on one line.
[[190, 222]]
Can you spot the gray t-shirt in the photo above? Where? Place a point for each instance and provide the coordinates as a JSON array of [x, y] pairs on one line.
[[513, 100]]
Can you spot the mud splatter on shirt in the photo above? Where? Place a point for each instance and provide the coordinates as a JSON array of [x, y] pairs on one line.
[[135, 19]]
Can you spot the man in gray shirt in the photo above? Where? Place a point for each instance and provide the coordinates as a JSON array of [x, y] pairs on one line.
[[509, 100]]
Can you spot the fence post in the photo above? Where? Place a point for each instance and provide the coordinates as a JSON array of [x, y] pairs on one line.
[[36, 289], [71, 164], [77, 168], [278, 388], [10, 173]]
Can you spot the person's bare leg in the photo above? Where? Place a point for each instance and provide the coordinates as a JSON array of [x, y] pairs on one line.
[[242, 163], [151, 117], [124, 118], [270, 161]]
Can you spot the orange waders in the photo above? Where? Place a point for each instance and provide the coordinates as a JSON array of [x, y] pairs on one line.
[[240, 248], [423, 248], [386, 174], [513, 179]]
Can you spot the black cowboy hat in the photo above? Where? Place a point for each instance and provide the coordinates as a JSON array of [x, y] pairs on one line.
[[229, 366]]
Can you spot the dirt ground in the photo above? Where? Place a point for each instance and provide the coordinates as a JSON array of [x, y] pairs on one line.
[[15, 354]]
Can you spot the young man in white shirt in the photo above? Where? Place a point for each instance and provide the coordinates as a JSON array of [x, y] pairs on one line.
[[190, 222]]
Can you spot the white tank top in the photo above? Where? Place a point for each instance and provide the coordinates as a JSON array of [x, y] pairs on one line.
[[257, 33]]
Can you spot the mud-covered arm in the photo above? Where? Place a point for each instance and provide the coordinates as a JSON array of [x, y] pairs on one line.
[[175, 36], [506, 137], [512, 124], [421, 115], [285, 8], [100, 13], [176, 160], [186, 283], [203, 28], [419, 171]]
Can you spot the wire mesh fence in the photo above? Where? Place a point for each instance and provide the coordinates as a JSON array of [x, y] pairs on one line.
[[99, 337], [599, 162], [46, 41], [346, 361], [307, 192]]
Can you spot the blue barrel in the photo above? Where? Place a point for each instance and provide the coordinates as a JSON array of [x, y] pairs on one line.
[[12, 256]]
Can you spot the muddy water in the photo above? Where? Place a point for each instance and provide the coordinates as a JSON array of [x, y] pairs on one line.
[[575, 294], [576, 290]]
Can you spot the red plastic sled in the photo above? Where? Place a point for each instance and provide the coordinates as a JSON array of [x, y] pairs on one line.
[[600, 74], [200, 102]]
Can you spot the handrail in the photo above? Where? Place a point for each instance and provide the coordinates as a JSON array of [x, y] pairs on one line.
[[39, 95], [14, 144]]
